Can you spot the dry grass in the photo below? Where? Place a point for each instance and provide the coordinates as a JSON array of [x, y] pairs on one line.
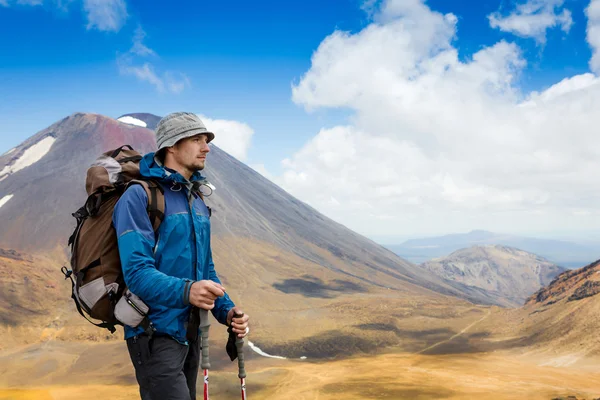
[[363, 340], [388, 376]]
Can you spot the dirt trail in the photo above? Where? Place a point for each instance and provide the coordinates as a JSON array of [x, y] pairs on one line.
[[456, 335]]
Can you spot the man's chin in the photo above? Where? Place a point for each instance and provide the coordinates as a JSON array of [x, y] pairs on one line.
[[197, 167]]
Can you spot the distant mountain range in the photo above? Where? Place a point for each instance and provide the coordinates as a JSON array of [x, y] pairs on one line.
[[564, 253], [508, 275]]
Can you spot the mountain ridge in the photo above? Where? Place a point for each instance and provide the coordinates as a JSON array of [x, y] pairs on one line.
[[561, 252], [508, 274]]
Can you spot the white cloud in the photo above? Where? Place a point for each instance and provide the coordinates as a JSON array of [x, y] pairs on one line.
[[6, 3], [139, 48], [573, 86], [144, 73], [111, 15], [130, 63], [533, 18], [262, 169], [593, 33], [30, 2], [105, 15], [232, 136], [176, 82], [437, 144]]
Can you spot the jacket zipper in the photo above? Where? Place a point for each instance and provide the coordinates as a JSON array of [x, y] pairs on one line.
[[195, 258]]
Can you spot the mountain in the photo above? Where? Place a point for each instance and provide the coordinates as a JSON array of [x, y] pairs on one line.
[[287, 264], [558, 326], [569, 286], [564, 253], [45, 178], [509, 275], [246, 205]]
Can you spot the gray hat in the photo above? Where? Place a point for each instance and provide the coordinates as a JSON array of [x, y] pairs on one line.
[[177, 126]]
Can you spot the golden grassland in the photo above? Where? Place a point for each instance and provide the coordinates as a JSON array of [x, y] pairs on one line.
[[386, 376], [363, 342]]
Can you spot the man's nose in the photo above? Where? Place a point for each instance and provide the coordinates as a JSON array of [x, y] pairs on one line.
[[206, 148]]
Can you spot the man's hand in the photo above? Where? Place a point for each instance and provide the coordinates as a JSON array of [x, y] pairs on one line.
[[204, 293], [238, 324]]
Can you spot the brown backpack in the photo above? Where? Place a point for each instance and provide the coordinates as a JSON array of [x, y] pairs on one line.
[[99, 288]]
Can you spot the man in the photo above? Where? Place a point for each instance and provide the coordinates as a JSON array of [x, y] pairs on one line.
[[173, 273]]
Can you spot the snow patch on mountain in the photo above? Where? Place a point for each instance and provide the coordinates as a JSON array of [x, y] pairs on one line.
[[132, 121], [5, 199], [10, 151], [30, 156]]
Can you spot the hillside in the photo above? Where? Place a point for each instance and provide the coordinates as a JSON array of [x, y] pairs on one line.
[[508, 275]]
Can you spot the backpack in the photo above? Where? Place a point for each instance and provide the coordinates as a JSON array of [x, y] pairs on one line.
[[97, 283]]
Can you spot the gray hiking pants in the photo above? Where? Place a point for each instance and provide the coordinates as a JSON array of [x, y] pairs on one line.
[[164, 368]]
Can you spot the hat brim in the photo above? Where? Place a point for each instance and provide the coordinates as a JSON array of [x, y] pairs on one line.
[[192, 132]]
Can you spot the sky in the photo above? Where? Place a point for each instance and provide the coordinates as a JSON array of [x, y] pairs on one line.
[[396, 118]]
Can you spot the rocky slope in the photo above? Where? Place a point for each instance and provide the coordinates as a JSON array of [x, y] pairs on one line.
[[508, 275]]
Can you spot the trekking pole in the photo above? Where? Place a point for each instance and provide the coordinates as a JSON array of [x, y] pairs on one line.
[[239, 344], [204, 326]]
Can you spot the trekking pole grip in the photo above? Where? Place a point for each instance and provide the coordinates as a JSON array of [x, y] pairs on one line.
[[239, 344], [204, 327]]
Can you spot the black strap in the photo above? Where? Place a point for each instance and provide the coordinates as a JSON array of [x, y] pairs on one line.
[[80, 215], [91, 265], [148, 326], [153, 211], [230, 347], [193, 324], [132, 158]]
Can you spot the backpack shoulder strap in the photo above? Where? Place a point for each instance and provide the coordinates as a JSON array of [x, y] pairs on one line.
[[156, 200]]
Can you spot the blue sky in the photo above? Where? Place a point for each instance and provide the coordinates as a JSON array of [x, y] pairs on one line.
[[453, 144], [240, 57]]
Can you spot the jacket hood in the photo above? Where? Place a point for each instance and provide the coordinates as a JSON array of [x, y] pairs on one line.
[[152, 168]]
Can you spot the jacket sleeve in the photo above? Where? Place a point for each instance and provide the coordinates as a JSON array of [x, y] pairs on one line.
[[222, 304], [136, 250]]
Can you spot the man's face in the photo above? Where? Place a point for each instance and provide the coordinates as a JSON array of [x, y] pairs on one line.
[[191, 152]]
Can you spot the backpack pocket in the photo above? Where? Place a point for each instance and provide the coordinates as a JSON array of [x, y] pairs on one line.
[[92, 291], [130, 309]]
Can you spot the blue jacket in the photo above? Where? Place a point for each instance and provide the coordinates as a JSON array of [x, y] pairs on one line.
[[161, 270]]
